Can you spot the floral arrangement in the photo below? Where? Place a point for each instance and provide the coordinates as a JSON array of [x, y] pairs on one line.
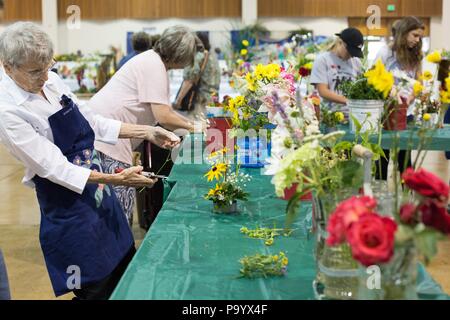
[[266, 234], [230, 183], [250, 109], [372, 237], [374, 84], [264, 266]]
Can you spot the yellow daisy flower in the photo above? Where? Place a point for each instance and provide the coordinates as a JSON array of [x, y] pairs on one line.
[[285, 261], [426, 117], [245, 43], [216, 172], [244, 52], [339, 116]]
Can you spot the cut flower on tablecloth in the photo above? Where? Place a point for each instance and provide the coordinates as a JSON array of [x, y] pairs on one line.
[[263, 266]]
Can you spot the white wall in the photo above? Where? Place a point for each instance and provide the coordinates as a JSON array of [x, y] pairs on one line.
[[99, 35], [320, 26]]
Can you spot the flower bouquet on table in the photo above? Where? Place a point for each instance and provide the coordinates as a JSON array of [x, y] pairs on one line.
[[251, 123], [368, 96], [330, 119], [389, 242], [230, 183]]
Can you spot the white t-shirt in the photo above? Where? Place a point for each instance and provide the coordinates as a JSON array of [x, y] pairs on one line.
[[25, 131], [331, 70], [128, 97]]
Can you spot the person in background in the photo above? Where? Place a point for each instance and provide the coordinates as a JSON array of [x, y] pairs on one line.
[[140, 42], [4, 284], [340, 63], [52, 134], [208, 79], [139, 93], [403, 54]]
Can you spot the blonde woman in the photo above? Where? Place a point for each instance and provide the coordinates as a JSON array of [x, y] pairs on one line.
[[340, 63]]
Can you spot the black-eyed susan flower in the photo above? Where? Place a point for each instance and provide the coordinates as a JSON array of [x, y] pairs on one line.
[[216, 172]]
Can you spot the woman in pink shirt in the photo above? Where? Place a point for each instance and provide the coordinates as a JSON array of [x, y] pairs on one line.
[[139, 93]]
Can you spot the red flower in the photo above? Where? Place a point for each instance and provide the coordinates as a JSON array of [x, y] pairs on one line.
[[408, 213], [426, 184], [372, 239], [434, 214], [345, 214], [304, 72]]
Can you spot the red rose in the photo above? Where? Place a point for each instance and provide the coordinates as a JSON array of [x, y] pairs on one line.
[[426, 184], [408, 213], [345, 214], [304, 72], [372, 239], [435, 215]]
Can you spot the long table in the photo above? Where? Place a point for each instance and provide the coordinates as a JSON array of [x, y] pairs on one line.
[[191, 253], [436, 140]]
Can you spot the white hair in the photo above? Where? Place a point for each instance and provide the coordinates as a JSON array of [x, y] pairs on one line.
[[177, 45], [23, 42]]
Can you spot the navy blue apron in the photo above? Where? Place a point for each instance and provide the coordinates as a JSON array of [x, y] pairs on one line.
[[87, 232]]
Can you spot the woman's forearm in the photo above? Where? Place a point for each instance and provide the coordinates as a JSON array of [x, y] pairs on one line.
[[103, 178], [133, 131], [331, 96]]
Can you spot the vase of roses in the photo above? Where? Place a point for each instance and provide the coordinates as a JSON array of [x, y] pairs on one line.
[[387, 247]]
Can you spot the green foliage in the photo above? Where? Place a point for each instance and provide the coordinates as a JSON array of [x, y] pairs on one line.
[[360, 90]]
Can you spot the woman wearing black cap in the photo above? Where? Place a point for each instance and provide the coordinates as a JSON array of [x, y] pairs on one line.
[[340, 63], [404, 54]]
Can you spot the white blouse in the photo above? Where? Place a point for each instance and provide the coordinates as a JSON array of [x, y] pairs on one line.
[[25, 131]]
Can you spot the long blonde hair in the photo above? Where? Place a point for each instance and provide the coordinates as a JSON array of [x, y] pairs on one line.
[[337, 42]]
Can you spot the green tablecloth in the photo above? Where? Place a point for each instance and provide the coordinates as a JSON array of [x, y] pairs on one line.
[[409, 140], [192, 254]]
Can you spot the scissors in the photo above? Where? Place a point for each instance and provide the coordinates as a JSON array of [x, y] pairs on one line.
[[150, 175]]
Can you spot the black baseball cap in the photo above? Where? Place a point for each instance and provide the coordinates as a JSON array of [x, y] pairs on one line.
[[354, 40]]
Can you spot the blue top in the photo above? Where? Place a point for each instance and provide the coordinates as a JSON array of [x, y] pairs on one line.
[[126, 59]]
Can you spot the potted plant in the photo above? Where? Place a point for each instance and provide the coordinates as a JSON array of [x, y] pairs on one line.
[[367, 96]]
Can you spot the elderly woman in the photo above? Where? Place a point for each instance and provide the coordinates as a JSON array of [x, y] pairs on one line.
[[139, 93], [85, 238]]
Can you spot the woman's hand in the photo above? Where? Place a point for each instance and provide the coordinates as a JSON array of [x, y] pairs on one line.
[[132, 177], [162, 138]]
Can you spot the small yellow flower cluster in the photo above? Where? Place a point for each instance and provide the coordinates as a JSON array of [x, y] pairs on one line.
[[265, 234], [380, 78]]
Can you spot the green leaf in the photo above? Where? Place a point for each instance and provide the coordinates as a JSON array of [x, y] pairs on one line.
[[357, 124], [426, 242]]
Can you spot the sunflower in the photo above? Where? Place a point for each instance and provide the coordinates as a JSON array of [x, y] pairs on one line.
[[380, 78], [216, 172]]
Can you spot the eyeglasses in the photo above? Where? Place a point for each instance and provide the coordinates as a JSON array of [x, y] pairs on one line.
[[38, 73]]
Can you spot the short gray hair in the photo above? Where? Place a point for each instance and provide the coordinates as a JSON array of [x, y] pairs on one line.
[[177, 45], [22, 42]]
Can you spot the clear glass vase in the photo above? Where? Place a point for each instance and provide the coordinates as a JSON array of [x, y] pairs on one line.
[[336, 271], [395, 280]]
